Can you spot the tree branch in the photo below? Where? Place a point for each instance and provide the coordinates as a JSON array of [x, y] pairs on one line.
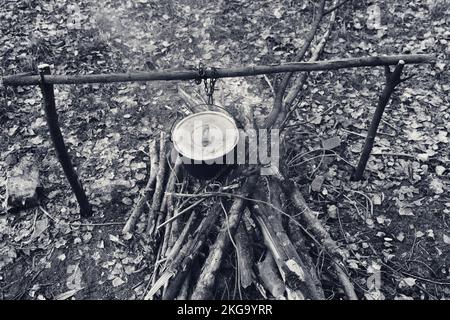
[[297, 87], [335, 7], [392, 80], [278, 111], [246, 71]]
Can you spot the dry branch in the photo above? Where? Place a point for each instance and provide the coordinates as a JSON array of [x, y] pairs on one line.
[[292, 268], [168, 75], [147, 192], [184, 291], [245, 256], [212, 264], [392, 80], [167, 202], [170, 208], [193, 104], [311, 220], [180, 240], [157, 195], [270, 277], [297, 86], [335, 7], [278, 110], [181, 256]]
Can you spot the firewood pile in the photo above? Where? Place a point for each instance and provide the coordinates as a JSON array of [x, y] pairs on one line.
[[195, 225]]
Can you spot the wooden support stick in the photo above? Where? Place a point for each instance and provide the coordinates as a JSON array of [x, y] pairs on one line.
[[58, 141], [168, 75], [392, 80]]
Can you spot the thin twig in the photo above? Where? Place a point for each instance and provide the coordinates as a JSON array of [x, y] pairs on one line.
[[335, 7], [80, 224], [180, 213]]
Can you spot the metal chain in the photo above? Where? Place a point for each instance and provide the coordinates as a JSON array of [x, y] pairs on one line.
[[201, 73], [208, 82], [209, 89]]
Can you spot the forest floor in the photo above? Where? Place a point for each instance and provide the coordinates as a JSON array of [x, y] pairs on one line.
[[393, 225]]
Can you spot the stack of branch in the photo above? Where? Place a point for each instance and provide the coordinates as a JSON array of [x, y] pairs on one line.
[[194, 230]]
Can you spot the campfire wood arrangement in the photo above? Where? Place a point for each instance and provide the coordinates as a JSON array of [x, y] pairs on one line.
[[194, 224]]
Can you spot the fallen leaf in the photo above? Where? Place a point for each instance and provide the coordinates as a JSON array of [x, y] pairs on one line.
[[405, 211], [117, 282], [68, 294], [437, 186], [446, 239], [316, 185], [331, 143], [440, 170], [74, 280], [407, 282]]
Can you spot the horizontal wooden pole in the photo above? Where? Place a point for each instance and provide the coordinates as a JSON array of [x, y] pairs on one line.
[[167, 75]]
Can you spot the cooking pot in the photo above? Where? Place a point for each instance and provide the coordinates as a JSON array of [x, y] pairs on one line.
[[206, 141]]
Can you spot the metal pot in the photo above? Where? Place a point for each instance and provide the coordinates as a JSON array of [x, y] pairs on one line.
[[206, 141]]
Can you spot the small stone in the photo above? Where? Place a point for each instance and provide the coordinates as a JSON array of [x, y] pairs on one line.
[[23, 185]]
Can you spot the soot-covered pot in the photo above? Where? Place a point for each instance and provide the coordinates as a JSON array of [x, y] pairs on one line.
[[207, 142]]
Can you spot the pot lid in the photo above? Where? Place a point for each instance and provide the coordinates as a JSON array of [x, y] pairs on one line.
[[205, 135]]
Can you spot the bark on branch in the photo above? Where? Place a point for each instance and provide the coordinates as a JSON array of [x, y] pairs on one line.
[[335, 7], [313, 223], [297, 87], [147, 192], [203, 289], [392, 80], [168, 75], [278, 110]]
